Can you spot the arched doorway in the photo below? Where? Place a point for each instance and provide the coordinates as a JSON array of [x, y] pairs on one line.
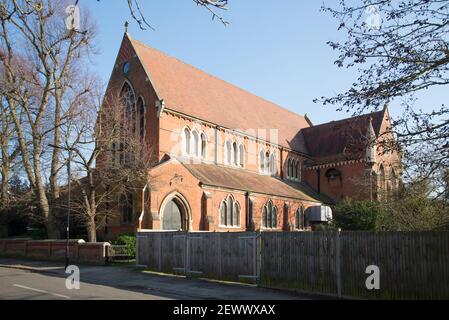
[[174, 213]]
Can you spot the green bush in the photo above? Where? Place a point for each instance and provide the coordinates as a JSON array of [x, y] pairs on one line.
[[356, 215], [37, 234], [128, 240]]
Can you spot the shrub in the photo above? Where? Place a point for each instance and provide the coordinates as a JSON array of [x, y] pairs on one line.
[[356, 215], [37, 233], [413, 208], [128, 240]]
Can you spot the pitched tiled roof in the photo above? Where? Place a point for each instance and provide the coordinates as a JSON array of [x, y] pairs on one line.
[[191, 91], [238, 179], [342, 138]]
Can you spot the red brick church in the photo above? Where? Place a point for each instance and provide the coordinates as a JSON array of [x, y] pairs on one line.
[[228, 160]]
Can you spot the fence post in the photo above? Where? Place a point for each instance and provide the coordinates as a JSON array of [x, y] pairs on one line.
[[187, 258], [260, 256], [160, 252], [338, 261], [137, 249], [147, 255], [218, 234]]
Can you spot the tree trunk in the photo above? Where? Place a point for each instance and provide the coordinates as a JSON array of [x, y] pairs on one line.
[[47, 213], [4, 196], [4, 201], [54, 188], [91, 228]]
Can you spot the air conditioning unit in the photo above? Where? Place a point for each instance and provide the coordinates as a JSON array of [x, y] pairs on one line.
[[319, 214]]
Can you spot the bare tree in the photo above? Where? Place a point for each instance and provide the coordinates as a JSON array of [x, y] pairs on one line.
[[110, 157], [41, 90], [399, 48], [212, 6], [413, 208]]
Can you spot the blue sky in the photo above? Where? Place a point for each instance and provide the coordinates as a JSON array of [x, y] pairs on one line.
[[274, 49]]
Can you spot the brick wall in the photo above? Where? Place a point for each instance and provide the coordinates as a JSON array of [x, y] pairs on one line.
[[79, 251]]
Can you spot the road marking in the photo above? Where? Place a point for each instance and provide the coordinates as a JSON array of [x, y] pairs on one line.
[[42, 291]]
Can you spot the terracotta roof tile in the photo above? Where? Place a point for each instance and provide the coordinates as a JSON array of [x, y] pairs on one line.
[[341, 139], [238, 179], [191, 91]]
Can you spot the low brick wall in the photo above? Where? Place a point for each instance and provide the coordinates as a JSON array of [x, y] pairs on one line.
[[79, 251]]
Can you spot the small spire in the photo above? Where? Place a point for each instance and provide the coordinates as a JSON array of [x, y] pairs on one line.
[[308, 120], [126, 26]]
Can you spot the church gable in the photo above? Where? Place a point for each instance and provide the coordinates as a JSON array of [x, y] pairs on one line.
[[342, 139], [129, 75], [190, 91]]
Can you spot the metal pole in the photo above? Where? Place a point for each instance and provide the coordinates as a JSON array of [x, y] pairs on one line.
[[68, 210]]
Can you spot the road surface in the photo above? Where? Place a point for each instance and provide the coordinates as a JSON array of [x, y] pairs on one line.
[[100, 282]]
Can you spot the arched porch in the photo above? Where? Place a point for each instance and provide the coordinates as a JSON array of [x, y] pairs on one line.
[[175, 213]]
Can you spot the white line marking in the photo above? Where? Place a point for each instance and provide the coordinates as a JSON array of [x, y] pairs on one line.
[[42, 291]]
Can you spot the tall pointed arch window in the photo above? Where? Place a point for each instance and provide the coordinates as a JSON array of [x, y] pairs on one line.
[[381, 178], [299, 219], [269, 216], [273, 168], [261, 161], [241, 155], [223, 212], [230, 206], [186, 141], [228, 152], [267, 162], [235, 154], [203, 145], [236, 215], [128, 99], [294, 170], [195, 143], [141, 116], [229, 212]]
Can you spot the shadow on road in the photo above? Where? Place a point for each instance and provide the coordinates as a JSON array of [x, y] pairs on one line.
[[133, 279]]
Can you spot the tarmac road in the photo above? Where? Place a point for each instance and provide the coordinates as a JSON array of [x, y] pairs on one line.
[[21, 279]]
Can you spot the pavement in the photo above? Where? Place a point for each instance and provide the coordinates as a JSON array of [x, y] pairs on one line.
[[24, 279]]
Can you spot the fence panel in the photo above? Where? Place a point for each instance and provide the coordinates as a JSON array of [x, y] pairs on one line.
[[230, 256], [413, 265], [204, 254], [299, 260], [238, 255]]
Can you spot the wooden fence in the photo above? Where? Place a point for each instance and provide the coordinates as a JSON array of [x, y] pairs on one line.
[[229, 256], [412, 265]]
